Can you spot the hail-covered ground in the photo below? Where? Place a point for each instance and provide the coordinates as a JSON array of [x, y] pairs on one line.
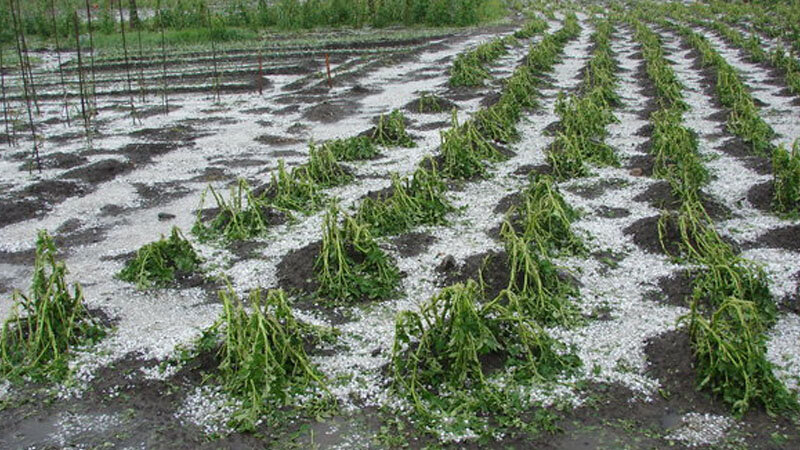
[[140, 178]]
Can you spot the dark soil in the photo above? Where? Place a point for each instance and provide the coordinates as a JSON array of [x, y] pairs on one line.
[[19, 258], [413, 244], [644, 162], [596, 188], [330, 111], [53, 191], [530, 170], [144, 153], [507, 203], [438, 125], [673, 290], [786, 238], [151, 195], [659, 195], [145, 411], [645, 234], [177, 133], [211, 174], [737, 148], [609, 212], [100, 171], [59, 160], [277, 141], [615, 417], [492, 266], [36, 200], [761, 195], [296, 269]]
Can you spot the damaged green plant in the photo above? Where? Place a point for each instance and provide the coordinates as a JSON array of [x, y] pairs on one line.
[[535, 287], [262, 352], [391, 131], [464, 151], [419, 200], [294, 191], [730, 354], [545, 219], [323, 168], [441, 358], [351, 266], [160, 263], [45, 326], [786, 179], [352, 148], [243, 217]]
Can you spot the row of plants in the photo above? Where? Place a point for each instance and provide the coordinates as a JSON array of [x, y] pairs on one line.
[[583, 117], [744, 121], [351, 267], [445, 356], [260, 347], [471, 68], [778, 58], [731, 307], [463, 362], [467, 147], [234, 19], [773, 19], [248, 213]]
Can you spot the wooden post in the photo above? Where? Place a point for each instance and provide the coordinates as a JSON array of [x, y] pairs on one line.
[[58, 59], [127, 60], [165, 97], [90, 29], [260, 81], [19, 34], [81, 86], [5, 100], [328, 67]]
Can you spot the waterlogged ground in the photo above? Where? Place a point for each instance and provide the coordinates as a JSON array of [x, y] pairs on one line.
[[139, 179]]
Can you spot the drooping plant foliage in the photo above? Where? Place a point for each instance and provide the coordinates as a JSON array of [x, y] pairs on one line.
[[46, 325], [418, 200], [351, 266], [263, 362], [443, 356], [160, 263]]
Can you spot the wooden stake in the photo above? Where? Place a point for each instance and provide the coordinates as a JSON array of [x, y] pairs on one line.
[[18, 32], [9, 128], [260, 75], [91, 58], [328, 66], [24, 42], [127, 61], [163, 58], [84, 113], [58, 56]]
